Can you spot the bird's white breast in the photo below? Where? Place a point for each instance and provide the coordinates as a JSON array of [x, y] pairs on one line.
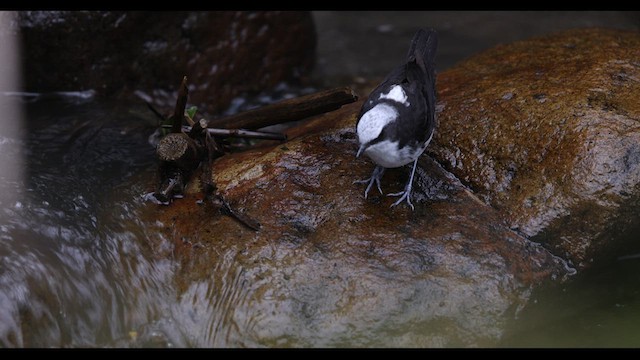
[[386, 153], [373, 121]]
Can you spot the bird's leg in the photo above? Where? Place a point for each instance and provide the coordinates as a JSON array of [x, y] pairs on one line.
[[375, 177], [406, 194]]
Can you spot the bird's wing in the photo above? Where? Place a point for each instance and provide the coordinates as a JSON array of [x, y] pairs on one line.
[[415, 125], [396, 76]]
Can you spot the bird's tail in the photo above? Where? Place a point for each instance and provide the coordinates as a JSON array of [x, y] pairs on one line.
[[423, 50]]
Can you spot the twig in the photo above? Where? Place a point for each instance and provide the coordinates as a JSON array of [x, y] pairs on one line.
[[249, 134], [226, 209], [155, 111], [240, 133], [164, 195], [181, 104]]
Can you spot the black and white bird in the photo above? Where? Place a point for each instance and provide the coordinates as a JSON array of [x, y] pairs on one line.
[[397, 121]]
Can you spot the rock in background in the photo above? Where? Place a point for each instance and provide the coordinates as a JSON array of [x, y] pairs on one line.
[[547, 131], [224, 54]]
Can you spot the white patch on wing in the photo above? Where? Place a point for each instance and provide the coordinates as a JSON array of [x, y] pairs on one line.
[[373, 121], [396, 94]]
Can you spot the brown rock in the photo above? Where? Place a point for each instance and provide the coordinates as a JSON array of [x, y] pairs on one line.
[[329, 268], [547, 131], [116, 53]]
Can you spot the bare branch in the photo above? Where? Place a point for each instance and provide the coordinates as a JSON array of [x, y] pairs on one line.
[[287, 110], [240, 133]]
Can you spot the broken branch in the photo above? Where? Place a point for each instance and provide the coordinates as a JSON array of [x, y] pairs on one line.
[[181, 104], [287, 110], [180, 150]]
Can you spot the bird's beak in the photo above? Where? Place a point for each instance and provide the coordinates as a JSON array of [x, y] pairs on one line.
[[362, 147]]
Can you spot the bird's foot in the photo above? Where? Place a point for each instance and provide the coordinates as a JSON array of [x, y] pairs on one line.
[[375, 178], [370, 181], [406, 194]]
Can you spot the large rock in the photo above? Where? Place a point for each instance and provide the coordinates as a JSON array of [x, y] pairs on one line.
[[223, 53], [547, 131], [329, 268]]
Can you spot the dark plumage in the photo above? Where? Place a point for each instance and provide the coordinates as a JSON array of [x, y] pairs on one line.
[[397, 121]]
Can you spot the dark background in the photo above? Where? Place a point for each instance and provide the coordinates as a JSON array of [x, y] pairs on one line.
[[368, 44]]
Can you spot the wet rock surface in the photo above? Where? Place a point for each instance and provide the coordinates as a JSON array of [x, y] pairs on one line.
[[329, 268], [547, 132], [224, 53]]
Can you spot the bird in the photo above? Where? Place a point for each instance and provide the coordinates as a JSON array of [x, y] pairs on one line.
[[397, 121]]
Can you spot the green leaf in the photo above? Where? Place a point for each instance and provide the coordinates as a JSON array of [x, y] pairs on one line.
[[191, 112]]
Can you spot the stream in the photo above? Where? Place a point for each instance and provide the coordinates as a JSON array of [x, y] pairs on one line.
[[80, 267]]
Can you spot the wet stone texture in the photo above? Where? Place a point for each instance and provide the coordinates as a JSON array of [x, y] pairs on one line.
[[329, 268], [547, 132], [224, 53]]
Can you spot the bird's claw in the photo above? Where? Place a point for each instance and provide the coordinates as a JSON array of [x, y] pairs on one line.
[[406, 193], [369, 181], [375, 177], [403, 195]]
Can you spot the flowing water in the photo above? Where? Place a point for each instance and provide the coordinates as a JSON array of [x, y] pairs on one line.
[[79, 265], [70, 273]]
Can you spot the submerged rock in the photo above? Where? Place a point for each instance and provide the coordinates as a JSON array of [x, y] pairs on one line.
[[547, 131], [223, 53], [329, 268]]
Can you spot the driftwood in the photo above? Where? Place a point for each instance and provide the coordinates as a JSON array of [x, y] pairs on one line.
[[287, 110], [183, 150], [179, 149]]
